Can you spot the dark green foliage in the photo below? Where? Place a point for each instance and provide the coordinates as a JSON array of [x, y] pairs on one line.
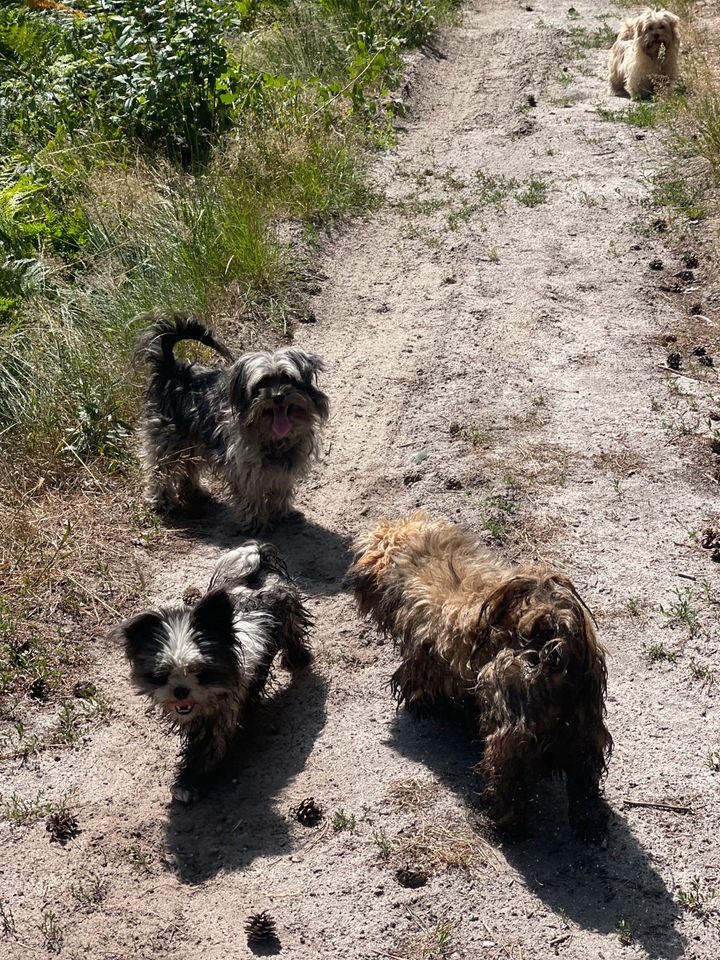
[[147, 150]]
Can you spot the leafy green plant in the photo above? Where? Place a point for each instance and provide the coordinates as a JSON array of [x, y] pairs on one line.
[[624, 931], [383, 844], [52, 933], [164, 75], [697, 898], [343, 821], [23, 811], [683, 611], [534, 193], [140, 859], [657, 653]]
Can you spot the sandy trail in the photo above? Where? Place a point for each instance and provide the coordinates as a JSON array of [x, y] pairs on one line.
[[496, 361]]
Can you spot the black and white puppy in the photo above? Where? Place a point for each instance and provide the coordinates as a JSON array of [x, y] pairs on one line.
[[255, 424], [201, 665]]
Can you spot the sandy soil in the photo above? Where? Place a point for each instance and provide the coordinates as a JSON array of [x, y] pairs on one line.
[[502, 365]]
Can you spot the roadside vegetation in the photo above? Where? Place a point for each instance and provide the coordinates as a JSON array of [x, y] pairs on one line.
[[151, 151], [179, 154]]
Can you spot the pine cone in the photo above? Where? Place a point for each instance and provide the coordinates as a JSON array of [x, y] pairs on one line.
[[308, 813], [62, 826], [709, 539], [260, 927], [191, 595]]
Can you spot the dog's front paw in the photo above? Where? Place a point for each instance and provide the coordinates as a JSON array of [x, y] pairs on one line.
[[184, 794]]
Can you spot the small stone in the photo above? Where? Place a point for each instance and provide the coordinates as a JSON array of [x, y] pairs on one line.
[[656, 264], [674, 361]]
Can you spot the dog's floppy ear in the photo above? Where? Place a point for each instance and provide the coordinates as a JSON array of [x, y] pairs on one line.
[[628, 29], [307, 365], [213, 617], [238, 382], [136, 631]]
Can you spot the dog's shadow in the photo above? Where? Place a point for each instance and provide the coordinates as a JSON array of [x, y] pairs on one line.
[[235, 822], [592, 887], [316, 557]]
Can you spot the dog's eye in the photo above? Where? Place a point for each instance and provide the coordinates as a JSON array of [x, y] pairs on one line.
[[207, 676], [157, 679]]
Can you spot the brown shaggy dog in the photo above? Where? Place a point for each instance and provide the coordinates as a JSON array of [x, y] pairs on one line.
[[516, 644], [646, 51]]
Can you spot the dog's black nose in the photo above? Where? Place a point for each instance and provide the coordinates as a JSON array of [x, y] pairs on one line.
[[181, 693], [278, 398]]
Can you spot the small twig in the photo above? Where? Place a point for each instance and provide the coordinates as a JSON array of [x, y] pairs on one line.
[[561, 939], [686, 576], [686, 376], [674, 808]]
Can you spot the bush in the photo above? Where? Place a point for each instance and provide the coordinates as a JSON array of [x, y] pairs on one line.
[[149, 148]]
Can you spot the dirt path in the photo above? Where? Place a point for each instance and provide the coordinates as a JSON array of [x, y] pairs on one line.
[[496, 361]]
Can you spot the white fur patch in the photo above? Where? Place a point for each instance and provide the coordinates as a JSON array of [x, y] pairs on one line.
[[239, 563], [180, 650]]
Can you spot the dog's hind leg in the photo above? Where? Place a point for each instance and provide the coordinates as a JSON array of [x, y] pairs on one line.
[[296, 652], [172, 475]]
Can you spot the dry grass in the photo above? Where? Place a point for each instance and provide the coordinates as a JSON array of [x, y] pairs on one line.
[[413, 794], [435, 848], [71, 564]]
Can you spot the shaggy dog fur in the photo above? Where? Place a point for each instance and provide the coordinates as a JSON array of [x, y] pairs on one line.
[[635, 58], [515, 644], [202, 665], [255, 424]]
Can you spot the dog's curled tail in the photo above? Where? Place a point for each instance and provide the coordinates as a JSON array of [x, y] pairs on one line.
[[155, 346], [243, 564]]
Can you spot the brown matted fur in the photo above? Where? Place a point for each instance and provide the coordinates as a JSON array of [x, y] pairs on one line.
[[515, 643]]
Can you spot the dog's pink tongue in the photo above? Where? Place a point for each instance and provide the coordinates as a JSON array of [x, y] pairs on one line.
[[281, 424]]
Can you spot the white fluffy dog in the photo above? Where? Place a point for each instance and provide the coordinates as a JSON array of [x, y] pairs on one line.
[[635, 57]]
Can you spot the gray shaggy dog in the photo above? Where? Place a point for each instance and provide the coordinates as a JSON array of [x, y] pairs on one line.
[[201, 665], [254, 424]]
